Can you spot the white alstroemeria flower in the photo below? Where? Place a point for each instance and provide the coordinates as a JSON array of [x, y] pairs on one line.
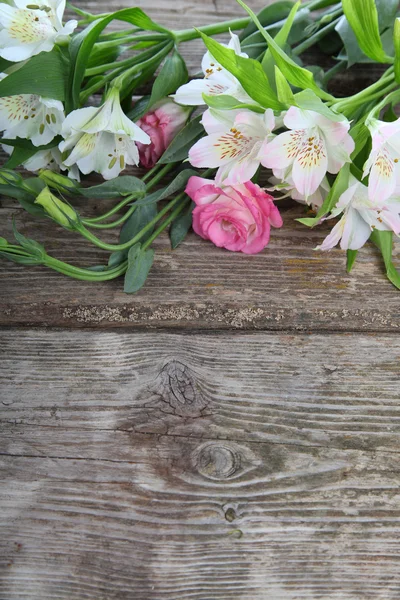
[[360, 218], [383, 164], [29, 28], [32, 117], [101, 139], [46, 159], [314, 146], [316, 199], [233, 143], [217, 80]]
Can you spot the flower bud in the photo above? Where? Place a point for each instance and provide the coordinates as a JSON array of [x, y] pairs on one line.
[[8, 177], [58, 182], [162, 123], [59, 211]]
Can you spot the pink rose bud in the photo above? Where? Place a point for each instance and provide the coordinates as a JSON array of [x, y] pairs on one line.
[[162, 124], [237, 217]]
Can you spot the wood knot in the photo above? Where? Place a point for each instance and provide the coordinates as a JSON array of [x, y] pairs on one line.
[[217, 461], [177, 386]]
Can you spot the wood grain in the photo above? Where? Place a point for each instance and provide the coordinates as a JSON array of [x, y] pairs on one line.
[[289, 286], [192, 441], [158, 466]]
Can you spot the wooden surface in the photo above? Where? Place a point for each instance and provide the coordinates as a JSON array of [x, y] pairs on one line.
[[229, 433]]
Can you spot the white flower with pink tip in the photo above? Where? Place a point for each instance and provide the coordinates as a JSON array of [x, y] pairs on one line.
[[233, 143], [313, 146], [383, 164], [360, 218], [29, 28], [217, 80]]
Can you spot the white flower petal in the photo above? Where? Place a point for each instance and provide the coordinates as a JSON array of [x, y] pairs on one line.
[[356, 231], [84, 147], [334, 237], [310, 167], [191, 94]]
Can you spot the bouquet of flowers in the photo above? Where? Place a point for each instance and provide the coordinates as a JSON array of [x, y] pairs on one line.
[[220, 150]]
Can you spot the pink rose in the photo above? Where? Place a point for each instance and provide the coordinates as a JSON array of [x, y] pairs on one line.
[[162, 124], [238, 217]]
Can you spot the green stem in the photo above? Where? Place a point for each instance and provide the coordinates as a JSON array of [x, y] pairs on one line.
[[156, 58], [128, 62], [114, 247], [151, 172], [131, 39], [141, 67], [317, 4], [165, 223], [85, 274], [348, 105], [111, 212], [154, 180], [338, 68], [386, 78], [185, 35], [93, 221], [315, 38], [113, 224], [115, 35]]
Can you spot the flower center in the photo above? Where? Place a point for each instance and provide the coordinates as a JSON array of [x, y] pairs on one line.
[[29, 26], [234, 144]]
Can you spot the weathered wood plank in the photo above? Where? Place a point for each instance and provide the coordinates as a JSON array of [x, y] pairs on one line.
[[163, 466], [287, 287], [308, 390]]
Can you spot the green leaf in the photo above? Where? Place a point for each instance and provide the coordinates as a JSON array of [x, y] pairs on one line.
[[5, 64], [24, 150], [387, 10], [278, 11], [139, 108], [249, 73], [284, 90], [362, 16], [180, 227], [139, 264], [225, 102], [45, 75], [31, 246], [176, 185], [81, 46], [268, 62], [339, 187], [384, 241], [120, 186], [24, 198], [389, 115], [351, 259], [178, 150], [173, 74], [295, 74], [396, 38], [360, 134], [103, 54], [22, 260], [35, 185], [308, 100], [137, 221]]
